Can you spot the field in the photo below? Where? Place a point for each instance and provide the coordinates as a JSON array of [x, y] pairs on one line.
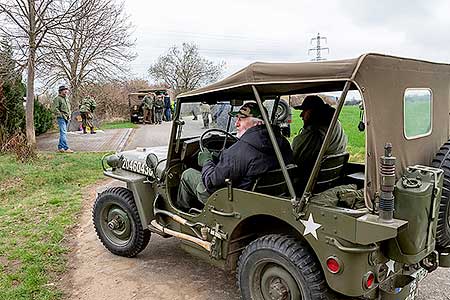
[[118, 124], [39, 202], [349, 119]]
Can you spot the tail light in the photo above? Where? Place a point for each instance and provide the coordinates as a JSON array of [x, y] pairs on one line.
[[368, 280], [334, 265]]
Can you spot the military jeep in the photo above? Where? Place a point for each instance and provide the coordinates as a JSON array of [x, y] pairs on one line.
[[286, 241], [136, 106]]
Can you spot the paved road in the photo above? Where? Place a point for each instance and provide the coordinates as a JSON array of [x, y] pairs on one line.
[[163, 270]]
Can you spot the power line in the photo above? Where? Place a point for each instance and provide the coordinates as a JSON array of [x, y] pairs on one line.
[[318, 48]]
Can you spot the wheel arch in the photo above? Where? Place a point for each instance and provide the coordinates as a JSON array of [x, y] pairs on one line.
[[254, 227]]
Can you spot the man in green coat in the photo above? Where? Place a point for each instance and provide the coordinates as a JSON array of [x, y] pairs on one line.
[[87, 107], [316, 116], [148, 102], [61, 109]]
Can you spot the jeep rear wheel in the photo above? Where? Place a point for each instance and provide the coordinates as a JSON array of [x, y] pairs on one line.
[[117, 222], [276, 267], [442, 161]]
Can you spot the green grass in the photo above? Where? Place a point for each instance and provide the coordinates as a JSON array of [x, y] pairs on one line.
[[349, 119], [39, 202], [118, 124]]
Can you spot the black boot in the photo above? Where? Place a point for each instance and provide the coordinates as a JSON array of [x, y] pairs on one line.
[[84, 130], [92, 130]]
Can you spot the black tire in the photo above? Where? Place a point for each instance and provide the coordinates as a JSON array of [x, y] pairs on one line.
[[442, 161], [280, 267], [282, 111], [117, 222]]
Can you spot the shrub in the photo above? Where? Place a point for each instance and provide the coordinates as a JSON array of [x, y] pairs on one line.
[[17, 144], [43, 118]]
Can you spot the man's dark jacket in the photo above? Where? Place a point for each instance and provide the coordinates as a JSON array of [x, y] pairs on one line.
[[246, 160]]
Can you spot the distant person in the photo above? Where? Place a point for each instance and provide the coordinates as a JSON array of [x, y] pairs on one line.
[[194, 115], [205, 109], [87, 107], [316, 116], [158, 106], [147, 102], [61, 109], [167, 109]]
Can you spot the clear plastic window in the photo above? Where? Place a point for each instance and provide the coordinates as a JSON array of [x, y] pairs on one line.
[[417, 112]]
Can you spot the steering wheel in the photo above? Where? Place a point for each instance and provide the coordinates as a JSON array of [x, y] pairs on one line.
[[202, 137]]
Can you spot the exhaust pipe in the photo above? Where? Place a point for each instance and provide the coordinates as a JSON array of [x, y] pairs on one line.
[[204, 244]]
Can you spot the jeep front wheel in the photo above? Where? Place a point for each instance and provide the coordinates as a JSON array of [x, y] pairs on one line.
[[117, 222], [280, 267], [442, 161]]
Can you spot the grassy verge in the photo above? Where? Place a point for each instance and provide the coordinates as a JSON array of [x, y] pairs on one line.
[[349, 119], [38, 204], [118, 124]]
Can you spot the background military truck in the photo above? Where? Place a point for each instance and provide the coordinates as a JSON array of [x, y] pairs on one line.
[[369, 230], [135, 103]]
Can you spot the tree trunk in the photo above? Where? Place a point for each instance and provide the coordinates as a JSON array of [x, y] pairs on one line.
[[29, 108], [31, 137]]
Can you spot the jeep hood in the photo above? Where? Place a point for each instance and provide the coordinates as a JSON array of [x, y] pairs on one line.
[[135, 160]]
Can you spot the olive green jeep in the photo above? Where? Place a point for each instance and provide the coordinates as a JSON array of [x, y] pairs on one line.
[[369, 230]]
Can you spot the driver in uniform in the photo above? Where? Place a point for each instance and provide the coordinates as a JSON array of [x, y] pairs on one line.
[[251, 156]]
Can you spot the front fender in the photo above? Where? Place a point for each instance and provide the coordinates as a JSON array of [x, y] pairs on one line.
[[143, 192]]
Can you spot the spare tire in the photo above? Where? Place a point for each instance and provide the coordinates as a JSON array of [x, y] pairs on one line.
[[282, 111], [442, 161]]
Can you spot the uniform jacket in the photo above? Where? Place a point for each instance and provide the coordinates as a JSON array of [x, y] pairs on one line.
[[148, 102], [205, 108], [306, 146], [61, 107], [88, 104], [158, 104], [247, 159]]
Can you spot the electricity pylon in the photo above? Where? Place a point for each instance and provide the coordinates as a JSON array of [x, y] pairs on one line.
[[318, 48]]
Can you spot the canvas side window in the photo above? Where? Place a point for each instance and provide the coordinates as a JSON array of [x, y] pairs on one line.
[[417, 112]]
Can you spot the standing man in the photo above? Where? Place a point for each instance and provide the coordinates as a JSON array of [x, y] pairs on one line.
[[87, 107], [159, 105], [148, 108], [167, 111], [61, 109], [247, 159], [205, 110]]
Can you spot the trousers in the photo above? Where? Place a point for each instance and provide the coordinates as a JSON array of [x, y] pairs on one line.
[[191, 191]]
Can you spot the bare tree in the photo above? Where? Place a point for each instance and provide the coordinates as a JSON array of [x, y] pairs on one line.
[[27, 23], [184, 69], [94, 48]]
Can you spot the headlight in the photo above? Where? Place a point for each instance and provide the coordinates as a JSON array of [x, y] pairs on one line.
[[113, 161]]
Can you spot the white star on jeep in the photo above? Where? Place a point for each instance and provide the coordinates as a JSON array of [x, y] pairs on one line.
[[310, 226], [390, 264]]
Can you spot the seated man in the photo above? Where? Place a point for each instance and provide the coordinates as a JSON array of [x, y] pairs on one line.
[[316, 116], [251, 156]]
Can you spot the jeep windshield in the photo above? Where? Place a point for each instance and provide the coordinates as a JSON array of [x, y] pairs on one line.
[[198, 117]]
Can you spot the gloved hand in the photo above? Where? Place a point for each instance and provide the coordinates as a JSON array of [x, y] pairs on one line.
[[204, 157]]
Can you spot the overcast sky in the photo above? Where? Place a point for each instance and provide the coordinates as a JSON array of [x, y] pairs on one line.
[[244, 31]]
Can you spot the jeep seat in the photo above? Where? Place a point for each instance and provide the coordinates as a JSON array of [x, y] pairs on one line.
[[273, 183], [331, 171]]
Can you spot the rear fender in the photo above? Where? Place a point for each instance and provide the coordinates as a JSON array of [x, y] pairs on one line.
[[267, 214]]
